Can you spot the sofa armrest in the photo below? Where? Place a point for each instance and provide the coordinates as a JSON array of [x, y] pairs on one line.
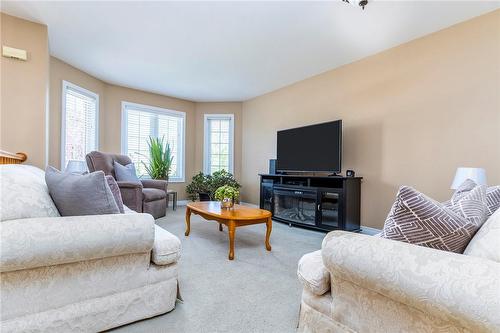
[[313, 274], [166, 248], [37, 242], [454, 287], [155, 183]]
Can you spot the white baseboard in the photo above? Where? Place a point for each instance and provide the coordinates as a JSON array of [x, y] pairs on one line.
[[181, 202], [369, 231]]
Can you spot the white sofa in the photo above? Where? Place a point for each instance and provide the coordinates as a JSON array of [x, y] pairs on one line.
[[82, 273], [360, 283]]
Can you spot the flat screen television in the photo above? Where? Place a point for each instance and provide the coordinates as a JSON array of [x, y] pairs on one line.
[[314, 148]]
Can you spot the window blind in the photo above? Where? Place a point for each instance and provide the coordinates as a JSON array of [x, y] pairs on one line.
[[142, 123], [80, 124], [218, 143]]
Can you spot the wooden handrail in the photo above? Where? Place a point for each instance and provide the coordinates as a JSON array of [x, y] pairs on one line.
[[11, 158]]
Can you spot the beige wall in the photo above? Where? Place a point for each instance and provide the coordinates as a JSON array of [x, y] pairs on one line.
[[24, 88], [110, 99], [111, 123], [411, 115], [218, 108]]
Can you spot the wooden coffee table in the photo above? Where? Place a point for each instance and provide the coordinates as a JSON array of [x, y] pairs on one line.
[[237, 216]]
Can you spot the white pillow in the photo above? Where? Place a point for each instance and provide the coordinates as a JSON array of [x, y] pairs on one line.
[[24, 194], [486, 242]]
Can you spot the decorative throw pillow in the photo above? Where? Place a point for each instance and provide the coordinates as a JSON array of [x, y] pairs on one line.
[[493, 199], [485, 243], [76, 195], [417, 219], [113, 186], [125, 173], [492, 196]]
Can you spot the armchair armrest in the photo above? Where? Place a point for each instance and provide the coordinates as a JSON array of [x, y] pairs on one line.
[[155, 183], [131, 193], [458, 288], [129, 184], [37, 242]]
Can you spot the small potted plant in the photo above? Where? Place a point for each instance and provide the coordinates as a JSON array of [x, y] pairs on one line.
[[199, 188], [227, 195], [203, 186]]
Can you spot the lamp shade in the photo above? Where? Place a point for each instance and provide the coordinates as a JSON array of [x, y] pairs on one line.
[[478, 175], [76, 166]]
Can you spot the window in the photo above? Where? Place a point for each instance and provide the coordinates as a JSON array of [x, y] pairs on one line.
[[218, 145], [79, 126], [139, 122]]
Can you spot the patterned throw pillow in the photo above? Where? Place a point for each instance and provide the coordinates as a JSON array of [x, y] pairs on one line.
[[417, 219], [493, 199], [492, 196]]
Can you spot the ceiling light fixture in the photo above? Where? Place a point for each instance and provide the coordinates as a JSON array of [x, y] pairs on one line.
[[361, 3]]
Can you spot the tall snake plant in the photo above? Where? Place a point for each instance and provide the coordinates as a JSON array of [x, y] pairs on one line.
[[160, 159]]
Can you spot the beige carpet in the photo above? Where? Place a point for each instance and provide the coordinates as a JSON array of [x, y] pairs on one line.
[[256, 292]]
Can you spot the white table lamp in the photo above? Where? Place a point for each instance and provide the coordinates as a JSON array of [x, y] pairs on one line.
[[478, 175], [75, 166]]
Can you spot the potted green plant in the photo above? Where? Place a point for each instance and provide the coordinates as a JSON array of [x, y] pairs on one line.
[[160, 159], [199, 188], [227, 195], [203, 186]]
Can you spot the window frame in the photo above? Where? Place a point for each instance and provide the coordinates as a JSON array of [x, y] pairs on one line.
[[159, 111], [83, 91], [207, 138]]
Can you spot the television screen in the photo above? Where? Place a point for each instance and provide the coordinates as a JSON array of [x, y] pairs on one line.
[[314, 148]]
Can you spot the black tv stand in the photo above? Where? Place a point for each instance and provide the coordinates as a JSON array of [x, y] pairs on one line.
[[327, 202]]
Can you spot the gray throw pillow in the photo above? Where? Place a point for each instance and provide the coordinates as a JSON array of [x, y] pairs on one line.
[[417, 219], [116, 192], [125, 173], [76, 195]]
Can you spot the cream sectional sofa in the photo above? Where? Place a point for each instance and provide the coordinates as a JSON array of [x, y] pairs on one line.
[[82, 273], [360, 283]]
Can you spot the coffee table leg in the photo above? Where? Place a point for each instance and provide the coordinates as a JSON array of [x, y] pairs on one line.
[[188, 221], [269, 225], [232, 229]]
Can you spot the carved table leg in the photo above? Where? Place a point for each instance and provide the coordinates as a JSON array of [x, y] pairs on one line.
[[232, 229], [220, 226], [269, 225], [188, 221]]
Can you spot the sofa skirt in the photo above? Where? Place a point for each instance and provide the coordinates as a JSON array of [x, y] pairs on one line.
[[102, 313], [88, 296]]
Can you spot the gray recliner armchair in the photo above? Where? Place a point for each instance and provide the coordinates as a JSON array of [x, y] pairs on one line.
[[146, 196]]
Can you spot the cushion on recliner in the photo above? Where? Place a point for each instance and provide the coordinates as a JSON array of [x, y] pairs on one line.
[[152, 194], [166, 247], [313, 274]]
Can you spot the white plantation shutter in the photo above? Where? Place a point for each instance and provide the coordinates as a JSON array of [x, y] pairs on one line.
[[218, 143], [141, 122], [79, 123]]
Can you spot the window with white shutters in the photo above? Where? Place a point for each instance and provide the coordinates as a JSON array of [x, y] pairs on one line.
[[79, 130], [218, 144], [139, 122]]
